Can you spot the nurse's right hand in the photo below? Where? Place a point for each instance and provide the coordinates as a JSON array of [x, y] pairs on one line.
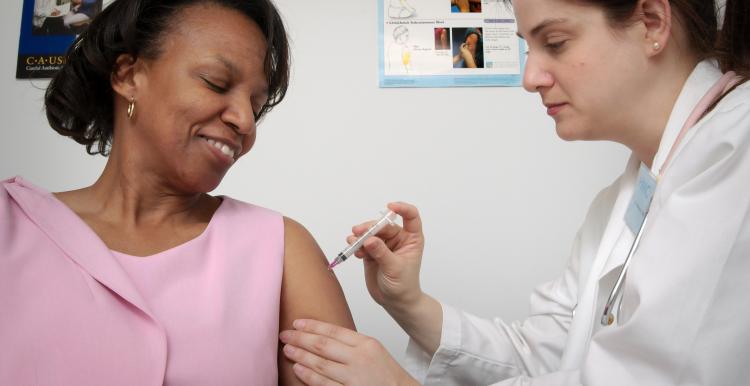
[[392, 259]]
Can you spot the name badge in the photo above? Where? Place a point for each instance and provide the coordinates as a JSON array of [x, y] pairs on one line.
[[641, 201]]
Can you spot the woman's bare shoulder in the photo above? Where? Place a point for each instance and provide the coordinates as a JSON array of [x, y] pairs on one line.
[[309, 288]]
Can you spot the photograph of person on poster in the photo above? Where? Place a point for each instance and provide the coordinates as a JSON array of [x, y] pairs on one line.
[[63, 17]]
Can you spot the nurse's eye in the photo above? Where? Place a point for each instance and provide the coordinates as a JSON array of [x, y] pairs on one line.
[[555, 46]]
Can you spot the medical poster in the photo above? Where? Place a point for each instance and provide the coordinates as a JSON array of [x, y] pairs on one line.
[[448, 43], [48, 27]]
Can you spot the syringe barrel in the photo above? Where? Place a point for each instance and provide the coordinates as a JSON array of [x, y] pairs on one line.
[[388, 218]]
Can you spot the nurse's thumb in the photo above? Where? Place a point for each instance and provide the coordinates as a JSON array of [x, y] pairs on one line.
[[378, 251]]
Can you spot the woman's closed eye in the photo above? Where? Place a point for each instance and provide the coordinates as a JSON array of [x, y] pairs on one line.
[[215, 86]]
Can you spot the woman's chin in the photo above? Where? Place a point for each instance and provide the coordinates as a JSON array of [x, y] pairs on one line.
[[201, 183], [565, 133], [570, 132], [209, 184]]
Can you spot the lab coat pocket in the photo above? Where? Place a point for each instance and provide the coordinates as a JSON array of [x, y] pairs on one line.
[[625, 304], [628, 304], [606, 283]]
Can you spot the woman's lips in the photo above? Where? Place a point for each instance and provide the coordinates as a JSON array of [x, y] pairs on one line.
[[554, 109]]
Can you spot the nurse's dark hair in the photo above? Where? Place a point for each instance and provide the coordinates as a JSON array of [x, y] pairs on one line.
[[79, 100], [728, 44]]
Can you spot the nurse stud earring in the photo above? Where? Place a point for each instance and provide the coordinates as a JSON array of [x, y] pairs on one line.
[[657, 46]]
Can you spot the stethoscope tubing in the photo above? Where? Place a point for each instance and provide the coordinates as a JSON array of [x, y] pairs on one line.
[[607, 315]]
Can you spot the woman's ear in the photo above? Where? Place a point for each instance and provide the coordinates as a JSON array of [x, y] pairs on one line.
[[123, 77], [656, 17]]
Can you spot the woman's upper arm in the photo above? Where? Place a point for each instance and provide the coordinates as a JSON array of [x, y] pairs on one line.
[[308, 289]]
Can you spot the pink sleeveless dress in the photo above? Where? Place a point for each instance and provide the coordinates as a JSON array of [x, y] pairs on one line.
[[217, 297], [203, 313]]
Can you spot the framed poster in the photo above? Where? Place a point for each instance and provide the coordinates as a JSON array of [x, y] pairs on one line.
[[448, 43], [48, 27]]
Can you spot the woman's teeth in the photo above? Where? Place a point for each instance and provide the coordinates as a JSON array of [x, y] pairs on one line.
[[222, 147]]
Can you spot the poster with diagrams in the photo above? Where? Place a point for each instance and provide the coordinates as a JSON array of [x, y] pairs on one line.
[[448, 43]]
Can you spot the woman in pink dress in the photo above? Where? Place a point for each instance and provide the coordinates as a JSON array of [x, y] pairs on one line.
[[143, 278]]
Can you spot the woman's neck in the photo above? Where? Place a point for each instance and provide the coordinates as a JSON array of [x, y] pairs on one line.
[[650, 113], [135, 197]]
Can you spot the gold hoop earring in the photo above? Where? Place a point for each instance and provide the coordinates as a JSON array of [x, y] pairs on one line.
[[657, 46], [131, 108]]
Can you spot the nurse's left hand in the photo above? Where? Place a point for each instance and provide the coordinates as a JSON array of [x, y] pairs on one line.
[[325, 354]]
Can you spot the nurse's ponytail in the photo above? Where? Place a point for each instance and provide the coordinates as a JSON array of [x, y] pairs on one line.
[[733, 44]]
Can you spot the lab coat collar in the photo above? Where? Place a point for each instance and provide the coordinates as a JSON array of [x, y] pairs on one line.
[[704, 76], [76, 239]]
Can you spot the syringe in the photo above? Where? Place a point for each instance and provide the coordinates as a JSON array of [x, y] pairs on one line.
[[387, 218]]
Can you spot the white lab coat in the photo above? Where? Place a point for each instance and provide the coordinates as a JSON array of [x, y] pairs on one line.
[[685, 311]]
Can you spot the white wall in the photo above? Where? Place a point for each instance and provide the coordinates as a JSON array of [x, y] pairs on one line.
[[501, 195]]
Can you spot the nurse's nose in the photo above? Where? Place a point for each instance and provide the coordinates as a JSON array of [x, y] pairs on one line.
[[535, 76]]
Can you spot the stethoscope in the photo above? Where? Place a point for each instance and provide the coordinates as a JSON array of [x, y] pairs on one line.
[[726, 82], [608, 316]]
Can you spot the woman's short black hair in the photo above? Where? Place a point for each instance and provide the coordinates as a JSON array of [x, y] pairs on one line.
[[79, 100]]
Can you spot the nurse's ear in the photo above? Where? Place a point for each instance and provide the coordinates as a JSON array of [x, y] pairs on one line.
[[656, 17]]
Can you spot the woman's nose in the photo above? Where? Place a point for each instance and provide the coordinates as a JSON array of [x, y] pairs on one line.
[[240, 116], [535, 76]]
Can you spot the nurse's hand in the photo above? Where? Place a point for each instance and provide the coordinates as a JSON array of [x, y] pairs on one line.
[[325, 354], [392, 258]]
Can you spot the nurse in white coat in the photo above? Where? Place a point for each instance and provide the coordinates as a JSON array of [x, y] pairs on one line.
[[655, 76]]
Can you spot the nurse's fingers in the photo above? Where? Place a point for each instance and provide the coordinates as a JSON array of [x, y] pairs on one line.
[[392, 234], [379, 252], [324, 368], [409, 214], [363, 253], [389, 231], [319, 345], [311, 378], [341, 334], [360, 229]]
